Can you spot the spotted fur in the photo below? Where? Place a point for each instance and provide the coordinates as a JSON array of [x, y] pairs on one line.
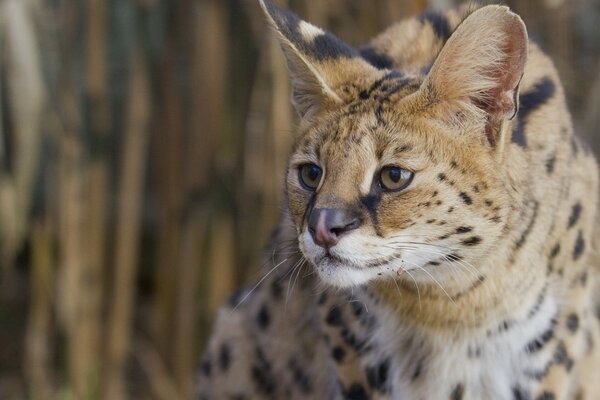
[[478, 280]]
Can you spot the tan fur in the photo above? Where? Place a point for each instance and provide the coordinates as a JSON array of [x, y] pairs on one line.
[[511, 199]]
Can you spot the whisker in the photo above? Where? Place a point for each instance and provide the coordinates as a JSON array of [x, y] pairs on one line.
[[257, 284]]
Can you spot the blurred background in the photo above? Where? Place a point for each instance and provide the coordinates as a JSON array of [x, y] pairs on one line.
[[142, 146]]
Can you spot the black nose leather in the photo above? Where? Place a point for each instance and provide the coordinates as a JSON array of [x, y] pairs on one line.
[[327, 225]]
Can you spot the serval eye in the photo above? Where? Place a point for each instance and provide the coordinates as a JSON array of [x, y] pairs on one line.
[[395, 178], [310, 176]]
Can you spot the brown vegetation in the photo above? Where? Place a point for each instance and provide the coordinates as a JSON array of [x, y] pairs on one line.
[[142, 146]]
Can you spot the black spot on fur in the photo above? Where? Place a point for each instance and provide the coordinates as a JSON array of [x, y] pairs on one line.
[[356, 391], [550, 164], [206, 368], [418, 370], [529, 102], [466, 198], [555, 251], [351, 340], [546, 396], [263, 319], [264, 380], [338, 354], [579, 246], [276, 289], [520, 394], [376, 59], [262, 374], [463, 229], [472, 241], [334, 316], [457, 392], [527, 231], [438, 22], [322, 298], [538, 303], [442, 176], [562, 357], [301, 379], [575, 214], [538, 343], [377, 375], [573, 322], [224, 357]]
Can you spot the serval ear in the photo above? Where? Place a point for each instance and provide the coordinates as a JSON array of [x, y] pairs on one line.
[[319, 63], [476, 75]]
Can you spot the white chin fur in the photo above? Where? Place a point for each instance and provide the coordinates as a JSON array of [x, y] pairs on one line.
[[334, 272]]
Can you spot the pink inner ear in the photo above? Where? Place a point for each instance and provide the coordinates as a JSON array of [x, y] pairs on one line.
[[502, 101]]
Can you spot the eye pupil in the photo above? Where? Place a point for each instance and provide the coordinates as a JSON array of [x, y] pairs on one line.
[[394, 178], [313, 172], [310, 176], [395, 174]]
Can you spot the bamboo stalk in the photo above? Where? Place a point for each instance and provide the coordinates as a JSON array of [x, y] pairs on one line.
[[133, 162], [27, 94], [97, 191], [70, 216], [37, 347]]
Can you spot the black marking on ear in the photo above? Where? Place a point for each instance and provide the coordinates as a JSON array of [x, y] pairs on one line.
[[438, 22], [375, 58], [321, 47], [575, 214], [529, 102], [579, 246], [457, 392]]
